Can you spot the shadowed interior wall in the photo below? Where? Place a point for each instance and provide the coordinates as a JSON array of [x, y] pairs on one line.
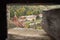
[[51, 22]]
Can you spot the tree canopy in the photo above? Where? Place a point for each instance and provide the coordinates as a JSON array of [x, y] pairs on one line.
[[20, 10]]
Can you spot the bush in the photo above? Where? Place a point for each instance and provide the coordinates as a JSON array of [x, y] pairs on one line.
[[27, 25]]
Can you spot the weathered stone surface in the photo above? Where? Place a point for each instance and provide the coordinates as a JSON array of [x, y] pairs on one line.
[[27, 34], [51, 22]]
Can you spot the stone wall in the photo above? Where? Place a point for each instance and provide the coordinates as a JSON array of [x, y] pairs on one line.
[[51, 22]]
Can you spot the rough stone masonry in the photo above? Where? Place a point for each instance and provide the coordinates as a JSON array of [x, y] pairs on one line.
[[51, 22]]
